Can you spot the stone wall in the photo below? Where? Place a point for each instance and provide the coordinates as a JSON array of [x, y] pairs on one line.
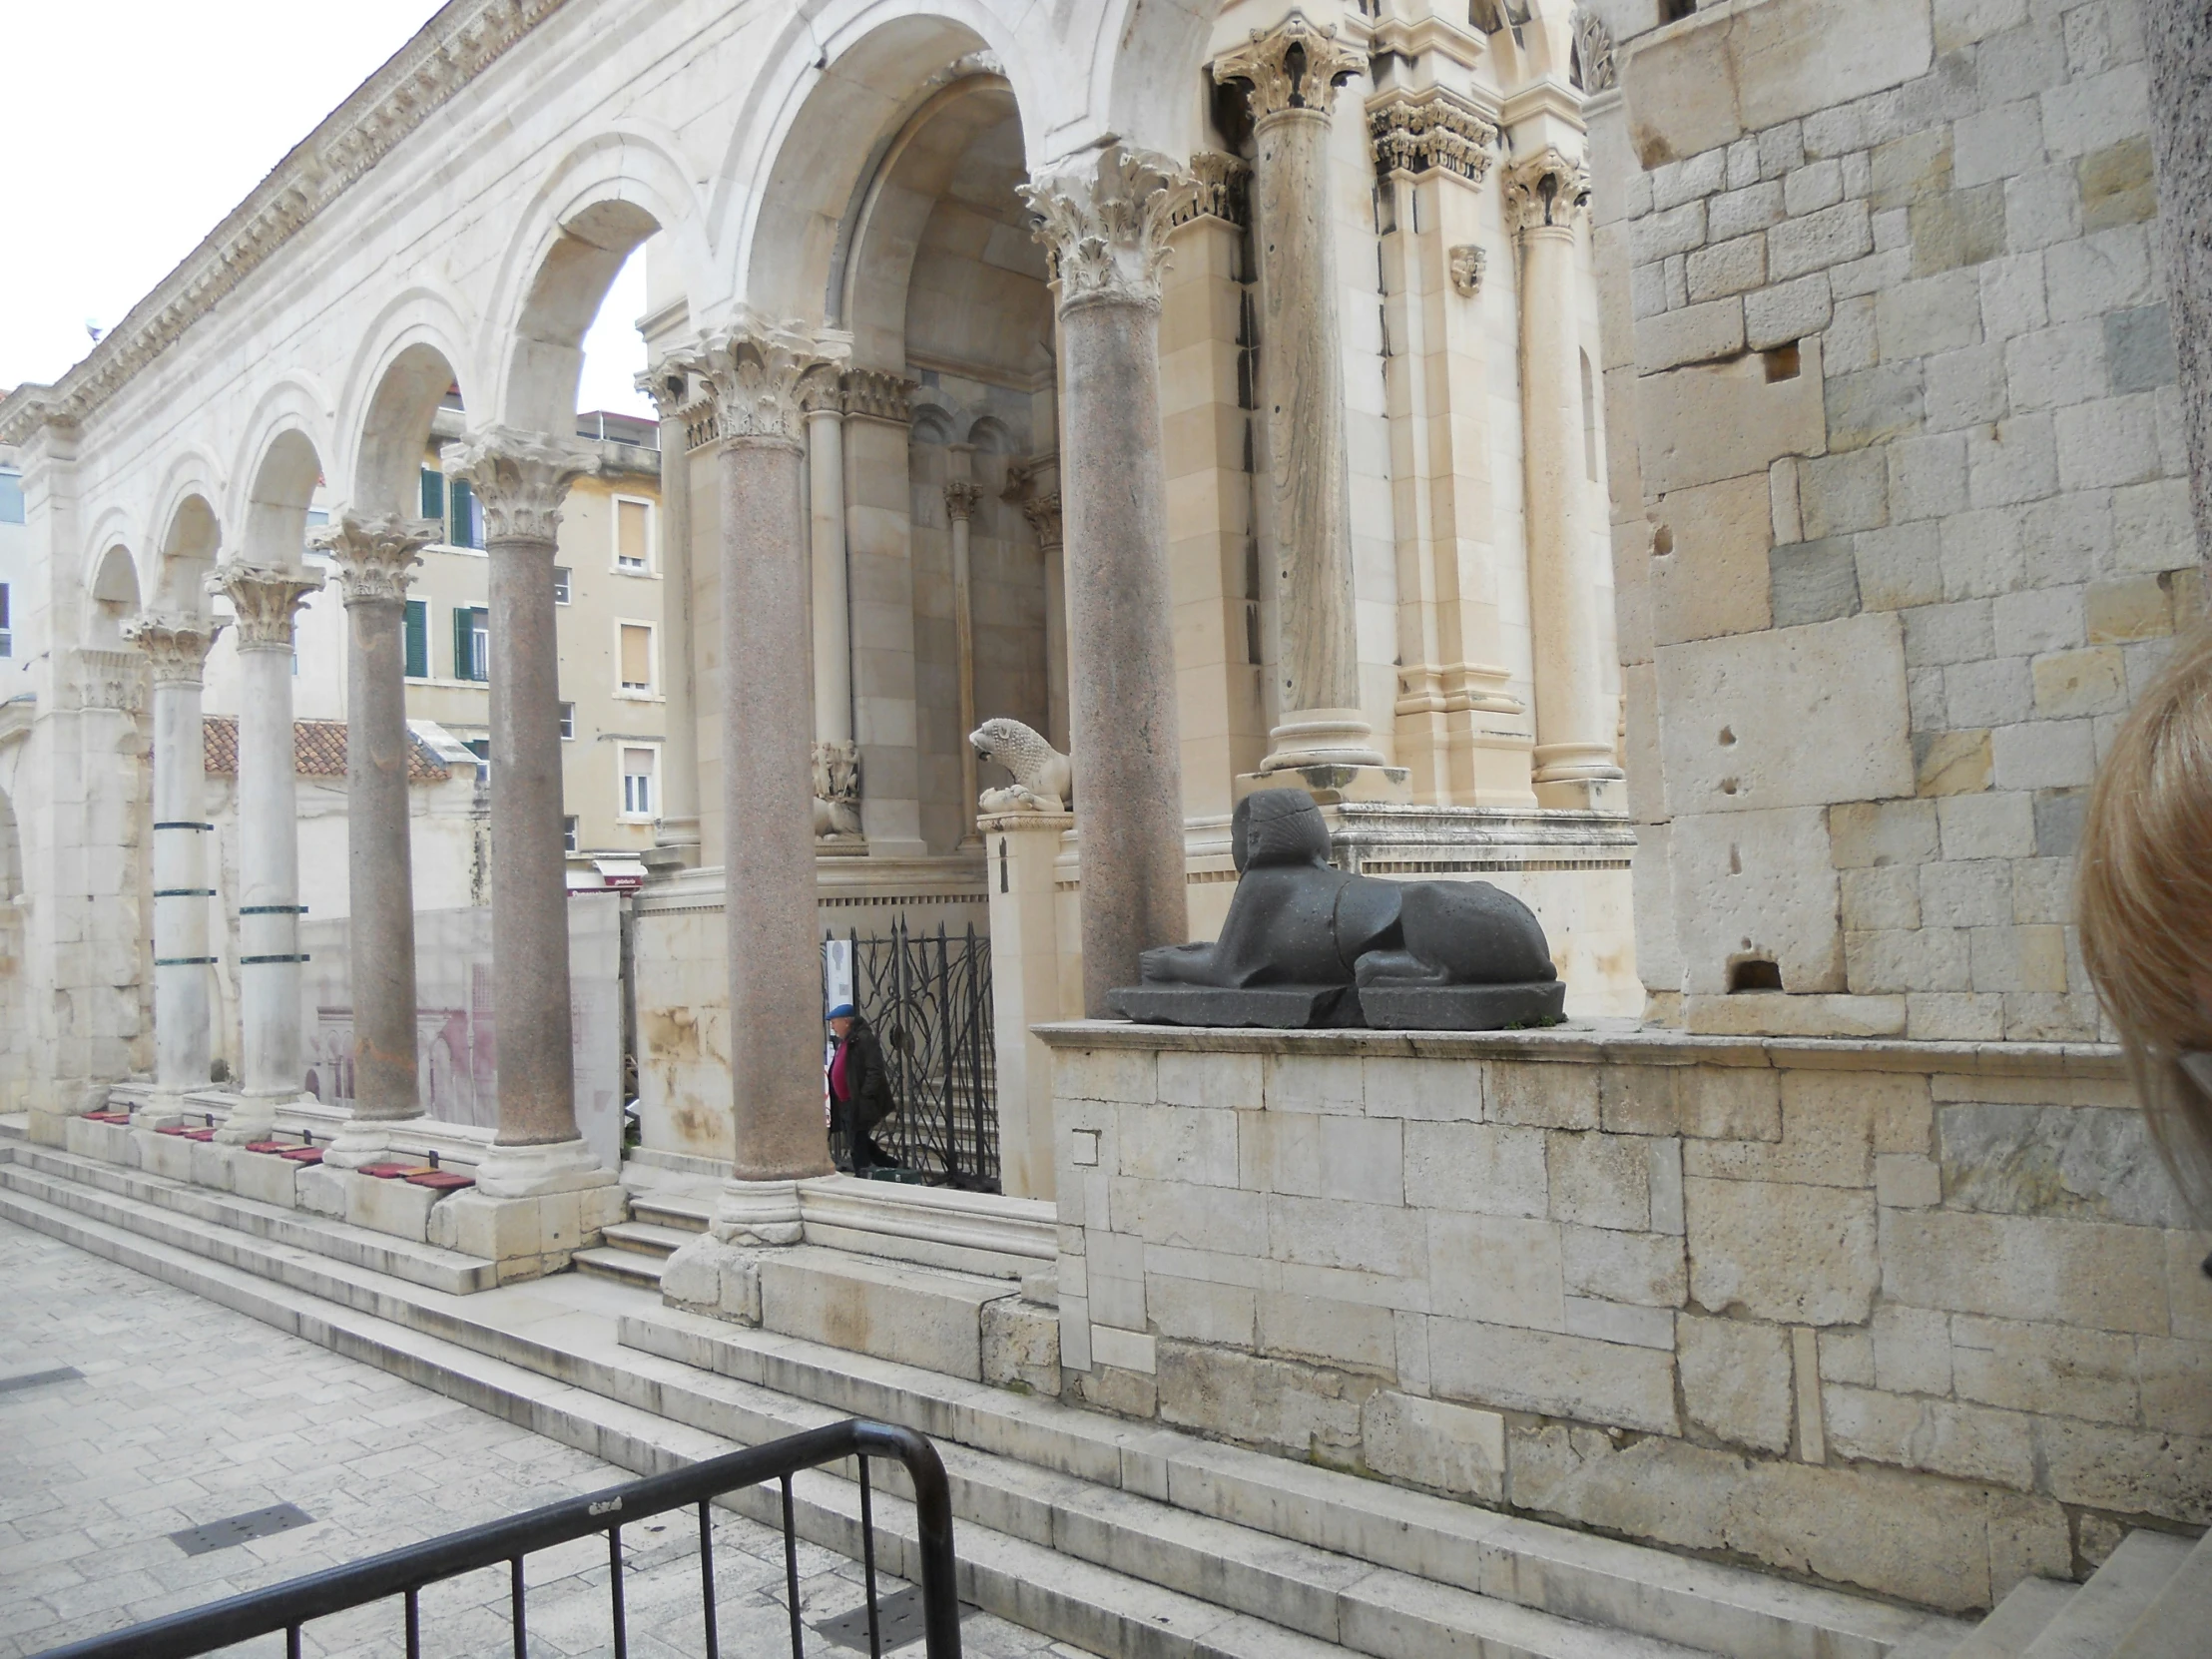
[[1901, 512], [1918, 1318]]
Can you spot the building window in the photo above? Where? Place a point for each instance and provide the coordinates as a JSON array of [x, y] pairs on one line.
[[11, 495], [568, 834], [633, 535], [481, 748], [418, 639], [1673, 11], [568, 719], [638, 765], [471, 643], [433, 494], [636, 659], [7, 627], [466, 516], [560, 585]]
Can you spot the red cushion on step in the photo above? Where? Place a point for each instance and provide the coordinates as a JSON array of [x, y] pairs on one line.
[[171, 1129], [392, 1172], [199, 1134], [108, 1117], [440, 1180], [270, 1145], [303, 1154]]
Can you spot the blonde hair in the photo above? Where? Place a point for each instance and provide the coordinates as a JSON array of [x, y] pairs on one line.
[[2145, 886]]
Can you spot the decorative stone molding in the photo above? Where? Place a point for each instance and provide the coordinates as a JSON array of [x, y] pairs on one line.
[[1545, 188], [449, 53], [176, 646], [1296, 65], [961, 497], [1034, 484], [837, 788], [754, 370], [1593, 51], [875, 396], [1223, 190], [1468, 264], [521, 479], [669, 388], [375, 554], [266, 600], [1043, 513], [1105, 224], [821, 390], [1433, 129], [110, 680]]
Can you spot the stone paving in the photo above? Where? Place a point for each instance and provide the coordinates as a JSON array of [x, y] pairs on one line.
[[188, 1412]]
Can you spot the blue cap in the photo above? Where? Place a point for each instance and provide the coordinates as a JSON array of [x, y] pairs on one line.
[[843, 1011]]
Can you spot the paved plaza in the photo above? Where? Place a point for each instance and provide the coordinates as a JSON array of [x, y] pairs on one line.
[[186, 1412]]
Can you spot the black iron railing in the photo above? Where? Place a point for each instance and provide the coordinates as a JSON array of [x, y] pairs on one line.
[[404, 1573], [929, 998]]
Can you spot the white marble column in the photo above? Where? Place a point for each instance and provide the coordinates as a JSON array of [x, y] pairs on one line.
[[836, 755], [264, 601], [1575, 721], [375, 555], [775, 955], [1105, 218], [176, 648], [961, 494], [522, 479], [678, 828], [1293, 70]]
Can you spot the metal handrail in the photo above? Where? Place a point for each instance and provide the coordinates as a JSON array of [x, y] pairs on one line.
[[405, 1572]]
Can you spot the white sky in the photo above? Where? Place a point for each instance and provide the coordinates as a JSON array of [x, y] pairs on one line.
[[142, 123]]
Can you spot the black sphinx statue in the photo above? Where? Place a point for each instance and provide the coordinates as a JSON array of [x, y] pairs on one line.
[[1306, 944]]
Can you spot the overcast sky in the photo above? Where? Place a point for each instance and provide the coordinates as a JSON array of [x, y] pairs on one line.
[[139, 123]]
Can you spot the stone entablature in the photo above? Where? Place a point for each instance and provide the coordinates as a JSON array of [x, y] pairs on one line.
[[1833, 1307], [1431, 130]]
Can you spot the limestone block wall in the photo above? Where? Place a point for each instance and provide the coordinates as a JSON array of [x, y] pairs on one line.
[[1900, 518], [1918, 1317]]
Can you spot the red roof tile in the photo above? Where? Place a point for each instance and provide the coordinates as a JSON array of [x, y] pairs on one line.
[[319, 750]]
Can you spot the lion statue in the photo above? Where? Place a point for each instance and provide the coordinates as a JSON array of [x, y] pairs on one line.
[[1044, 778], [837, 790]]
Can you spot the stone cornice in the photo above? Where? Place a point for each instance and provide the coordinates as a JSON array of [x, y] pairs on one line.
[[266, 600], [442, 58], [874, 395], [1417, 132]]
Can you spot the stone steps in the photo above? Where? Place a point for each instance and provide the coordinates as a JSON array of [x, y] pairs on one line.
[[2019, 1619], [628, 1267], [649, 1237], [2176, 1623], [1319, 1556], [2102, 1612]]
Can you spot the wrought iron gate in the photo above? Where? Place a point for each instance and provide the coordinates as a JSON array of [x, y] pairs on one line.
[[929, 998]]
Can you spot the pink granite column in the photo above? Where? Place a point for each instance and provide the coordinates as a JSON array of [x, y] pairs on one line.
[[522, 479], [1105, 217]]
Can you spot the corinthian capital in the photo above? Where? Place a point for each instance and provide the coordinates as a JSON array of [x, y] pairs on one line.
[[1296, 65], [758, 374], [961, 497], [176, 646], [1543, 188], [1433, 129], [1106, 222], [377, 554], [521, 479], [266, 600]]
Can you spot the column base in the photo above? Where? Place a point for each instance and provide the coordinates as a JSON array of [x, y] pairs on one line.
[[365, 1141], [546, 1167], [1322, 737], [1331, 783], [760, 1214], [1587, 795], [254, 1117], [1579, 774]]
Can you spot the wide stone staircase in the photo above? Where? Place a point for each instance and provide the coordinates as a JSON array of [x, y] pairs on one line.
[[1128, 1539]]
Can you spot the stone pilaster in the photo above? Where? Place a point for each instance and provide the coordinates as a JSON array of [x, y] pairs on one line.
[[837, 757], [176, 648], [522, 479], [1545, 193], [676, 837], [1105, 219], [264, 601], [961, 496], [376, 555], [756, 371], [1292, 71], [1035, 486]]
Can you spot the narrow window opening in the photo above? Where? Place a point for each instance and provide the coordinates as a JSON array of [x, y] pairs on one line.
[[1781, 362], [1753, 974]]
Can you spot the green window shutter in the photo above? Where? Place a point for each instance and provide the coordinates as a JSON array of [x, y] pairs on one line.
[[464, 644], [418, 639], [433, 494], [465, 517]]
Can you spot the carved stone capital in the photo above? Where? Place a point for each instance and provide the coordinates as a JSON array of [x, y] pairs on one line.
[[1224, 190], [1429, 131], [176, 646], [265, 601], [871, 393], [1296, 65], [1468, 264], [1043, 513], [961, 497], [669, 388], [1034, 484], [521, 479], [821, 391], [377, 553], [1106, 224], [1545, 188], [754, 372], [108, 679]]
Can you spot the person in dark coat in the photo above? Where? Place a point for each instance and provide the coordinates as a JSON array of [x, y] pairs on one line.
[[859, 1093]]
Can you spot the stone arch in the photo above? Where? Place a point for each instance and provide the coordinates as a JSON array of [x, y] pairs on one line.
[[114, 595], [276, 502], [190, 542], [991, 435], [604, 199], [1146, 58], [291, 419], [411, 359]]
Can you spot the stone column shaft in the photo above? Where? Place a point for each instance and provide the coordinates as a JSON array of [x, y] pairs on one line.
[[679, 821], [1106, 221], [833, 610], [1293, 70], [176, 647], [1575, 754], [961, 497], [269, 842]]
